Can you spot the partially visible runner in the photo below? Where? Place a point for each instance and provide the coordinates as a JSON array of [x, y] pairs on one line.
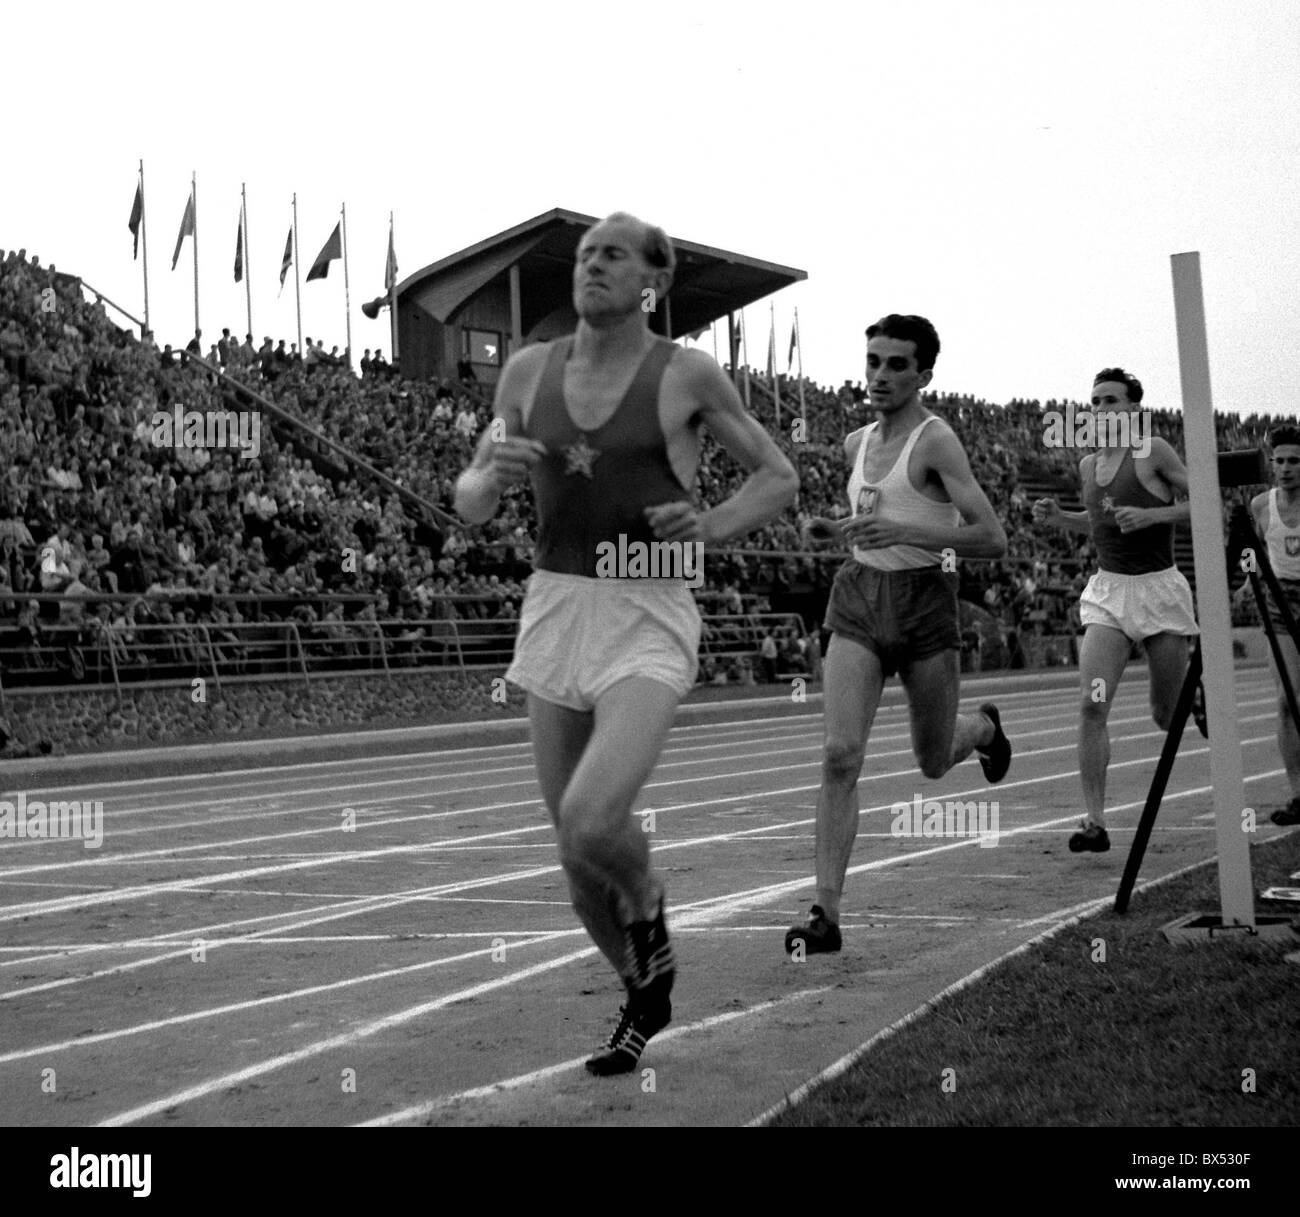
[[893, 607], [1136, 595], [607, 424], [1277, 515]]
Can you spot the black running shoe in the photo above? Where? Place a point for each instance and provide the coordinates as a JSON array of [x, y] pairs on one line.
[[995, 759], [1290, 814], [1091, 838], [638, 1020], [652, 967], [818, 936], [1198, 711]]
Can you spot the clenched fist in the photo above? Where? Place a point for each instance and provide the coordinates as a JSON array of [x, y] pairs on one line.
[[1046, 511], [510, 459]]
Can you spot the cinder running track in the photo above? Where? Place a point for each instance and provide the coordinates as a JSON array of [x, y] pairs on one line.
[[232, 954]]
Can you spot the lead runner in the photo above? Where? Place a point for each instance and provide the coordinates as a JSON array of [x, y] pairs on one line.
[[607, 425]]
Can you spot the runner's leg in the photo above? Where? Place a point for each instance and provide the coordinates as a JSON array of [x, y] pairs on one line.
[[1102, 660], [605, 853], [1167, 669], [940, 736], [854, 681], [560, 735], [1288, 739]]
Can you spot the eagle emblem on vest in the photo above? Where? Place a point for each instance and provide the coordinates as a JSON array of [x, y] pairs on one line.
[[1292, 545]]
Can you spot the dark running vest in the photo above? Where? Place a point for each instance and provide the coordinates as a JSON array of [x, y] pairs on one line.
[[1127, 553], [593, 486]]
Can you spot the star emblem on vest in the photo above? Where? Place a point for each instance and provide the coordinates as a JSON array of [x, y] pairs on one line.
[[579, 457], [1107, 503]]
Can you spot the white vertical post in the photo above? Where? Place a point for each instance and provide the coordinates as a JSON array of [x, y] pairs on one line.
[[1235, 892]]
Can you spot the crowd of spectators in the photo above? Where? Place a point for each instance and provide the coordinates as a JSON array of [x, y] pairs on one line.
[[91, 504]]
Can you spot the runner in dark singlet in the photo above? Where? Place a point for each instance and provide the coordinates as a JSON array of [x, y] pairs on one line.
[[1137, 595], [607, 423]]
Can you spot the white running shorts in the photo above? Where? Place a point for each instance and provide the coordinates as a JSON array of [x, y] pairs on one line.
[[1140, 605], [580, 636]]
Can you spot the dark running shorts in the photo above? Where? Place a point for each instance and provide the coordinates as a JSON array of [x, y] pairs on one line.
[[1291, 590], [901, 615]]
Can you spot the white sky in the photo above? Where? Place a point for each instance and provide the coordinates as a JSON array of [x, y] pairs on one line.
[[1019, 172]]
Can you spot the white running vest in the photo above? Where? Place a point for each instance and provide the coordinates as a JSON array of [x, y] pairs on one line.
[[1283, 542], [893, 498]]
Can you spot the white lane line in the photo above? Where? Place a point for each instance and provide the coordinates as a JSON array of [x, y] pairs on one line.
[[177, 850], [419, 1110], [1073, 916], [371, 824], [273, 999], [349, 909], [699, 912], [9, 913], [427, 755], [375, 1027], [276, 799], [278, 809], [17, 912]]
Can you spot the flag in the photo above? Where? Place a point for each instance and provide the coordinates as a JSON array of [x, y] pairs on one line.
[[287, 260], [239, 249], [137, 214], [187, 229], [333, 249], [390, 267], [789, 359]]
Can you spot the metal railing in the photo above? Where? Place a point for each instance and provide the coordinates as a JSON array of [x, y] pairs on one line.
[[95, 652]]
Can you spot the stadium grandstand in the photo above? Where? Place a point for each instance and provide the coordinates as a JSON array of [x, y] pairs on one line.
[[332, 548]]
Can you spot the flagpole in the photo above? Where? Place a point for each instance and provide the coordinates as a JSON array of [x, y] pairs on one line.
[[248, 262], [297, 283], [798, 340], [194, 205], [392, 292], [144, 240], [744, 348], [776, 375], [347, 291]]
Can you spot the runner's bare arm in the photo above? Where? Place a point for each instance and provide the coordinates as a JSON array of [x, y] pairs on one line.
[[1168, 465], [1259, 509], [981, 534], [1048, 511], [499, 463], [772, 483], [822, 531]]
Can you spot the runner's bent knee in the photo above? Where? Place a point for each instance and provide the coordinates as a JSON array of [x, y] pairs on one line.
[[1094, 709], [842, 762]]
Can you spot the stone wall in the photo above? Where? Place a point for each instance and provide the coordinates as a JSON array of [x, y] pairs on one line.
[[90, 720]]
